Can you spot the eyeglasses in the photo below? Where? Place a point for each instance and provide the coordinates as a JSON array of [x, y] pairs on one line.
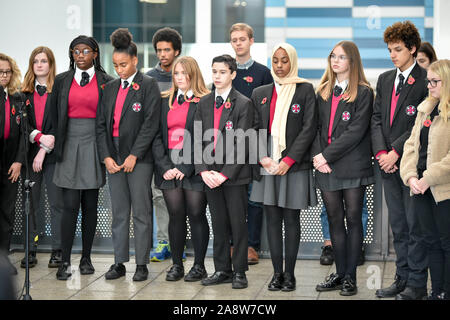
[[335, 57], [85, 52], [5, 73], [433, 83]]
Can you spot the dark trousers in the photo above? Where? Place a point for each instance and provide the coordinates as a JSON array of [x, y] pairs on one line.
[[255, 221], [434, 220], [409, 246], [37, 215], [228, 207], [8, 195], [72, 199]]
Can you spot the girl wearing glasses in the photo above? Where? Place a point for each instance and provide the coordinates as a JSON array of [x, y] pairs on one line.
[[425, 169], [76, 95], [342, 159], [12, 153], [37, 87]]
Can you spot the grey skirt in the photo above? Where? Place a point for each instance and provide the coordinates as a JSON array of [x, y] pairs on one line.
[[329, 182], [80, 167]]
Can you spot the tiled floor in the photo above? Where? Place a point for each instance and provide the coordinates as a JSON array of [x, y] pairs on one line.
[[44, 284]]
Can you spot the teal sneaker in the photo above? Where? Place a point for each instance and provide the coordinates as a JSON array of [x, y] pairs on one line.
[[161, 253]]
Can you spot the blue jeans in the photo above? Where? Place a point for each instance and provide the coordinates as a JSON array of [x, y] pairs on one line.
[[326, 228]]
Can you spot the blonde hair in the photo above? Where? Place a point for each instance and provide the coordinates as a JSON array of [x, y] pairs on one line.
[[30, 77], [242, 27], [442, 69], [14, 82], [357, 76], [197, 84]]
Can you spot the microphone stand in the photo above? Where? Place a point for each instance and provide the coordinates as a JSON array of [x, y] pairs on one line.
[[27, 185]]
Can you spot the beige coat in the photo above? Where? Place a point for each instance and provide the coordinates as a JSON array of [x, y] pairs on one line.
[[437, 174]]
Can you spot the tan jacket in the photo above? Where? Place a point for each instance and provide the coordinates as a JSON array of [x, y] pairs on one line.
[[437, 174]]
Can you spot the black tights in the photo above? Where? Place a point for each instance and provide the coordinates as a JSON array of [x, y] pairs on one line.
[[181, 202], [275, 217], [72, 199], [346, 243]]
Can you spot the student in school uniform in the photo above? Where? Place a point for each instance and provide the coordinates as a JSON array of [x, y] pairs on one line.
[[222, 162], [249, 75], [76, 95], [37, 88], [286, 114], [12, 152], [127, 125], [167, 44], [398, 94], [183, 190], [344, 102]]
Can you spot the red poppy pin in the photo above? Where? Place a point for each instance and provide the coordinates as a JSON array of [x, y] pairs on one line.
[[248, 79], [427, 122], [264, 100], [28, 102], [345, 96], [13, 110], [227, 104], [103, 86], [196, 99], [411, 80], [135, 86]]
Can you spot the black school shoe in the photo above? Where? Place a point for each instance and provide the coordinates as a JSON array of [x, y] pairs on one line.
[[141, 273], [55, 259], [332, 282], [239, 281], [327, 256], [349, 287], [196, 273], [32, 260], [276, 283], [218, 277], [175, 273], [116, 271], [86, 266], [64, 272], [288, 282]]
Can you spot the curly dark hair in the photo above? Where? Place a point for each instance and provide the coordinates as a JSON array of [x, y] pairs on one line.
[[168, 35], [404, 31]]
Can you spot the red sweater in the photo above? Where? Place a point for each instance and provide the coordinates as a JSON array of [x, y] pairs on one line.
[[176, 123], [7, 119], [120, 100], [83, 101]]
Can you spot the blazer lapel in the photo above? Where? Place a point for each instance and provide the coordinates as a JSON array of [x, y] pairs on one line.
[[265, 107], [226, 112], [112, 103], [406, 89], [66, 88], [338, 114], [131, 93], [191, 113], [31, 109], [388, 88]]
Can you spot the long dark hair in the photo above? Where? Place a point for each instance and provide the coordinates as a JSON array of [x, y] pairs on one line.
[[92, 43]]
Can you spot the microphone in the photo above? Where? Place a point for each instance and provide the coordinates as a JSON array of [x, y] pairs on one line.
[[22, 104]]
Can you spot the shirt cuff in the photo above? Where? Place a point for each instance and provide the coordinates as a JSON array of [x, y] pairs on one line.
[[226, 178], [38, 136], [396, 152], [289, 161], [380, 153]]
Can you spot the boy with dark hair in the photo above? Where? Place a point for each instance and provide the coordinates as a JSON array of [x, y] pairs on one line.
[[222, 112], [249, 75], [167, 44], [399, 92]]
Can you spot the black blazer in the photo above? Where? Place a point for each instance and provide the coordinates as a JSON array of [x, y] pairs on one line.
[[240, 116], [47, 127], [385, 137], [139, 120], [161, 152], [13, 148], [300, 127], [349, 154], [59, 105]]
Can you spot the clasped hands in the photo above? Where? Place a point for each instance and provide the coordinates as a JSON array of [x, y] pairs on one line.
[[212, 179], [47, 141], [127, 166], [274, 168], [418, 186], [387, 161], [321, 164]]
